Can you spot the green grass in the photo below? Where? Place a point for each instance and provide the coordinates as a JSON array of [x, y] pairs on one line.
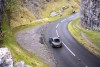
[[19, 28], [18, 52], [92, 36]]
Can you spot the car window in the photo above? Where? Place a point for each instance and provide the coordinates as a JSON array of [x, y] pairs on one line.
[[56, 40]]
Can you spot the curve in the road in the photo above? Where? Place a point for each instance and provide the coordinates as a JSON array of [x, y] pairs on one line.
[[72, 54]]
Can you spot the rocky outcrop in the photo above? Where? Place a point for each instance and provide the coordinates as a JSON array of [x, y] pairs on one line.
[[90, 14], [54, 13], [21, 64], [35, 6], [59, 12], [5, 58]]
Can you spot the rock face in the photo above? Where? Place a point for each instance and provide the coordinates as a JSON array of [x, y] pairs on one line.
[[7, 61], [90, 14], [5, 58], [32, 5], [2, 4], [35, 6]]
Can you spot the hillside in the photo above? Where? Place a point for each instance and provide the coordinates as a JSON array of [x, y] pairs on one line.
[[30, 11]]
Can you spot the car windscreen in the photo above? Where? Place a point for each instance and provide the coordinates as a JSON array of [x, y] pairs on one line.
[[56, 40]]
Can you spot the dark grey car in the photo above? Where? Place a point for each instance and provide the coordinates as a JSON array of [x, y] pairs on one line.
[[55, 42]]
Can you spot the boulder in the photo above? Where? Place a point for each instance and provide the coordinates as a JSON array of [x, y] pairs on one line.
[[59, 12], [21, 64], [53, 14], [5, 58]]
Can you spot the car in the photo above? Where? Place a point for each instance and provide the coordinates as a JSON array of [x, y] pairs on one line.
[[55, 42]]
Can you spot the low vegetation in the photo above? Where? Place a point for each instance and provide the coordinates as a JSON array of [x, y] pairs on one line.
[[19, 53], [19, 18], [24, 16], [88, 38]]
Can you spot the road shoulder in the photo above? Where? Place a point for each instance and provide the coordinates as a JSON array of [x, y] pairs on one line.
[[31, 40]]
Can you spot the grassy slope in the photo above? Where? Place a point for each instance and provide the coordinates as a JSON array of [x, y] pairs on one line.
[[24, 19], [93, 36], [9, 41], [55, 6], [19, 53], [24, 16]]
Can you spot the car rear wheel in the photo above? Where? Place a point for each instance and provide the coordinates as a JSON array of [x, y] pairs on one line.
[[52, 45]]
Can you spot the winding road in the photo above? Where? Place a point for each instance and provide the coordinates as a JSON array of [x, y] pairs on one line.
[[72, 54]]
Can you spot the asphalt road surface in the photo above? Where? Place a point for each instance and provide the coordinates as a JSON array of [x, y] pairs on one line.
[[72, 54]]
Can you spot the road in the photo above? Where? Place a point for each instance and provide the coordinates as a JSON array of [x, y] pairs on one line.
[[72, 54]]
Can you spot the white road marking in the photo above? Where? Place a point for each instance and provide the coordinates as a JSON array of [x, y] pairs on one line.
[[57, 33], [69, 49], [57, 25], [63, 42], [62, 21]]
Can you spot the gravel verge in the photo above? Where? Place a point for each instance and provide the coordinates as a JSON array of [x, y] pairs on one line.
[[32, 40]]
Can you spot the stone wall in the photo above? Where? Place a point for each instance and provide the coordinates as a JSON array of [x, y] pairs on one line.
[[90, 14]]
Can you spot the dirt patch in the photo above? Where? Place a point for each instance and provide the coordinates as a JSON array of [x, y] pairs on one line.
[[32, 40]]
